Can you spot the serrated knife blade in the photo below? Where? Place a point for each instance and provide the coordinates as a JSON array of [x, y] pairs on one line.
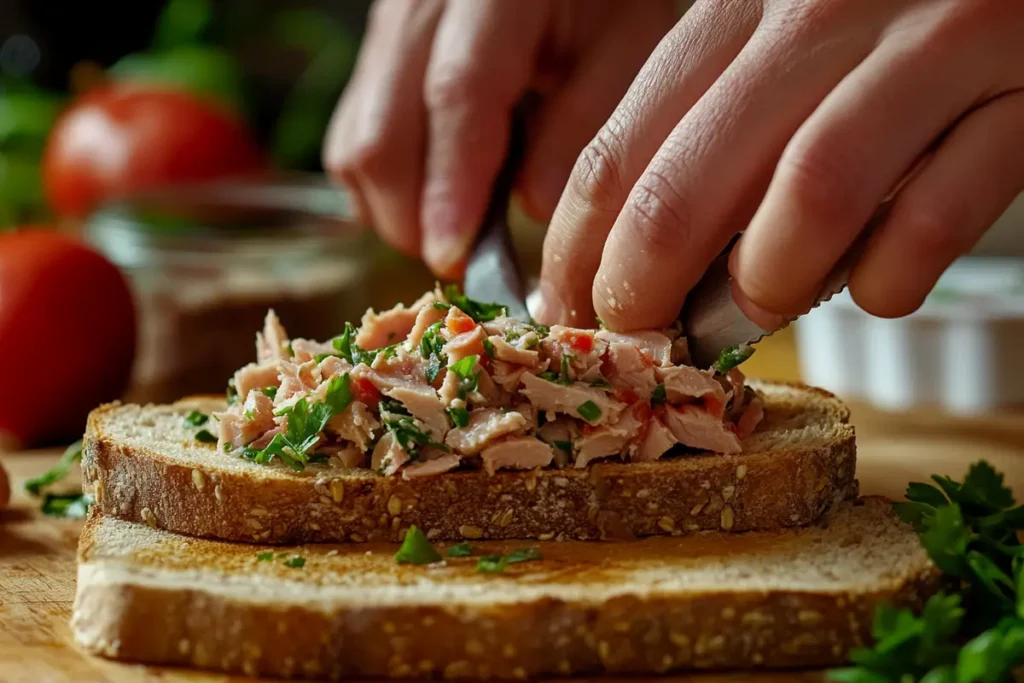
[[713, 322]]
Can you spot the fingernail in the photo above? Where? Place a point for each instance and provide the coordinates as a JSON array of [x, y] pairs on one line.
[[766, 320], [544, 305], [445, 252]]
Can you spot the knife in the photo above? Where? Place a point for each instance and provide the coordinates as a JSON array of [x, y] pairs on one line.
[[493, 272], [713, 323]]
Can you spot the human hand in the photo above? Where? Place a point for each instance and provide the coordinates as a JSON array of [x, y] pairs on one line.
[[421, 131], [793, 119]]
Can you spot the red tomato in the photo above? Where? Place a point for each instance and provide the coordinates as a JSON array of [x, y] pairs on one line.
[[67, 335], [122, 139], [583, 343], [625, 395], [364, 391], [458, 322]]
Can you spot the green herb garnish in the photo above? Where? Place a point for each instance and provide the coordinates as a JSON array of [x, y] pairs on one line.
[[563, 446], [489, 348], [564, 375], [265, 557], [416, 549], [305, 422], [231, 393], [468, 380], [204, 436], [431, 345], [460, 550], [296, 562], [196, 418], [459, 416], [409, 436], [270, 392], [477, 310], [346, 346], [733, 356], [496, 564], [658, 395], [72, 505], [970, 531], [589, 411], [71, 455]]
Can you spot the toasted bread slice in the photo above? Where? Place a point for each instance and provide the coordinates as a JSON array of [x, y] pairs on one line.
[[142, 464], [798, 597]]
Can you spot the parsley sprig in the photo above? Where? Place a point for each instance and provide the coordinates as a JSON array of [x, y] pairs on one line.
[[401, 423], [977, 633], [305, 422], [733, 356], [477, 310], [431, 345]]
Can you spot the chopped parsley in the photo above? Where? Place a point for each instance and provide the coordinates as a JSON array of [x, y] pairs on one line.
[[733, 356], [430, 349], [346, 346], [71, 455], [459, 416], [658, 395], [477, 310], [416, 549], [496, 564], [589, 411], [976, 633], [196, 418], [460, 550], [402, 425], [524, 555], [468, 380], [72, 505], [296, 562], [232, 393], [204, 436], [305, 422], [270, 392], [563, 376], [265, 557], [489, 348], [441, 306], [563, 445]]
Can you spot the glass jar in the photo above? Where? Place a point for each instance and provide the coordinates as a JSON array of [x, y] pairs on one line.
[[207, 262]]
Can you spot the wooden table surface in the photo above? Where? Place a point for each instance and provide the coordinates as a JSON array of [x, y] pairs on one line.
[[37, 554]]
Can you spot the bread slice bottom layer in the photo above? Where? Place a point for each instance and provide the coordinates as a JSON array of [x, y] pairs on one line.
[[798, 597]]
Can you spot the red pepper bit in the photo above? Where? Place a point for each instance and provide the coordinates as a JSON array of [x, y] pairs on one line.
[[364, 391], [458, 322]]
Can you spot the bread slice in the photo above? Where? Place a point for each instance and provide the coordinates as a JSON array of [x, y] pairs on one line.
[[798, 597], [143, 465]]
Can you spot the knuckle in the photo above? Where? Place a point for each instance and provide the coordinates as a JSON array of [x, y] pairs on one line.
[[366, 156], [455, 85], [596, 176], [818, 180], [931, 227], [658, 214]]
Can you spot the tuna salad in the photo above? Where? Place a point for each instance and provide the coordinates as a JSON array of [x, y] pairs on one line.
[[449, 383]]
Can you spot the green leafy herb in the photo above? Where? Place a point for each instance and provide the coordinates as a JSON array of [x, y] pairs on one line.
[[564, 376], [477, 310], [296, 562], [72, 505], [265, 557], [524, 555], [305, 422], [72, 454], [288, 348], [409, 436], [589, 411], [459, 416], [658, 395], [970, 531], [270, 392], [496, 564], [416, 549], [204, 436], [347, 348], [468, 380], [489, 348], [460, 550], [196, 418], [563, 446], [733, 356], [281, 556], [430, 349], [600, 323], [441, 306], [231, 393]]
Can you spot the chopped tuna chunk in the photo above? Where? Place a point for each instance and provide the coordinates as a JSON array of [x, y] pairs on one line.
[[697, 428], [521, 453], [752, 415], [569, 399], [684, 384], [486, 425], [350, 456], [377, 330], [465, 344], [606, 440], [507, 375], [428, 468], [423, 403], [296, 381], [629, 369], [331, 366], [388, 456], [427, 316], [272, 343], [355, 424], [306, 350], [505, 352], [254, 376], [256, 419], [655, 345], [657, 441]]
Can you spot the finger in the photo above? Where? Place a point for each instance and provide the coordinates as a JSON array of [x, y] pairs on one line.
[[481, 63], [679, 71], [682, 210], [944, 210], [571, 117], [376, 139], [847, 156]]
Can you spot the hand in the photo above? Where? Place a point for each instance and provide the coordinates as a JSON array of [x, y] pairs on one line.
[[793, 119], [421, 131]]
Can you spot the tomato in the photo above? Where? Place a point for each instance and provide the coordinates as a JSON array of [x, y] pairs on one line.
[[625, 395], [458, 322], [364, 391], [121, 139], [584, 343], [67, 335]]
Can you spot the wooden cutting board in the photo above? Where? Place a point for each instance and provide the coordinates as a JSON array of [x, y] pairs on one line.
[[37, 554]]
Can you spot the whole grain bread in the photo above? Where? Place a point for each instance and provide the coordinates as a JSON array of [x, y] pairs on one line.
[[796, 597], [142, 464]]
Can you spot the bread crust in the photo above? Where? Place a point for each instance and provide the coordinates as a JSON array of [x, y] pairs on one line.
[[789, 485], [569, 632]]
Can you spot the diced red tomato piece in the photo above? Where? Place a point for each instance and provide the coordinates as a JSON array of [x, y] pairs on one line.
[[458, 322], [642, 411], [625, 395], [714, 406], [584, 343], [364, 391]]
